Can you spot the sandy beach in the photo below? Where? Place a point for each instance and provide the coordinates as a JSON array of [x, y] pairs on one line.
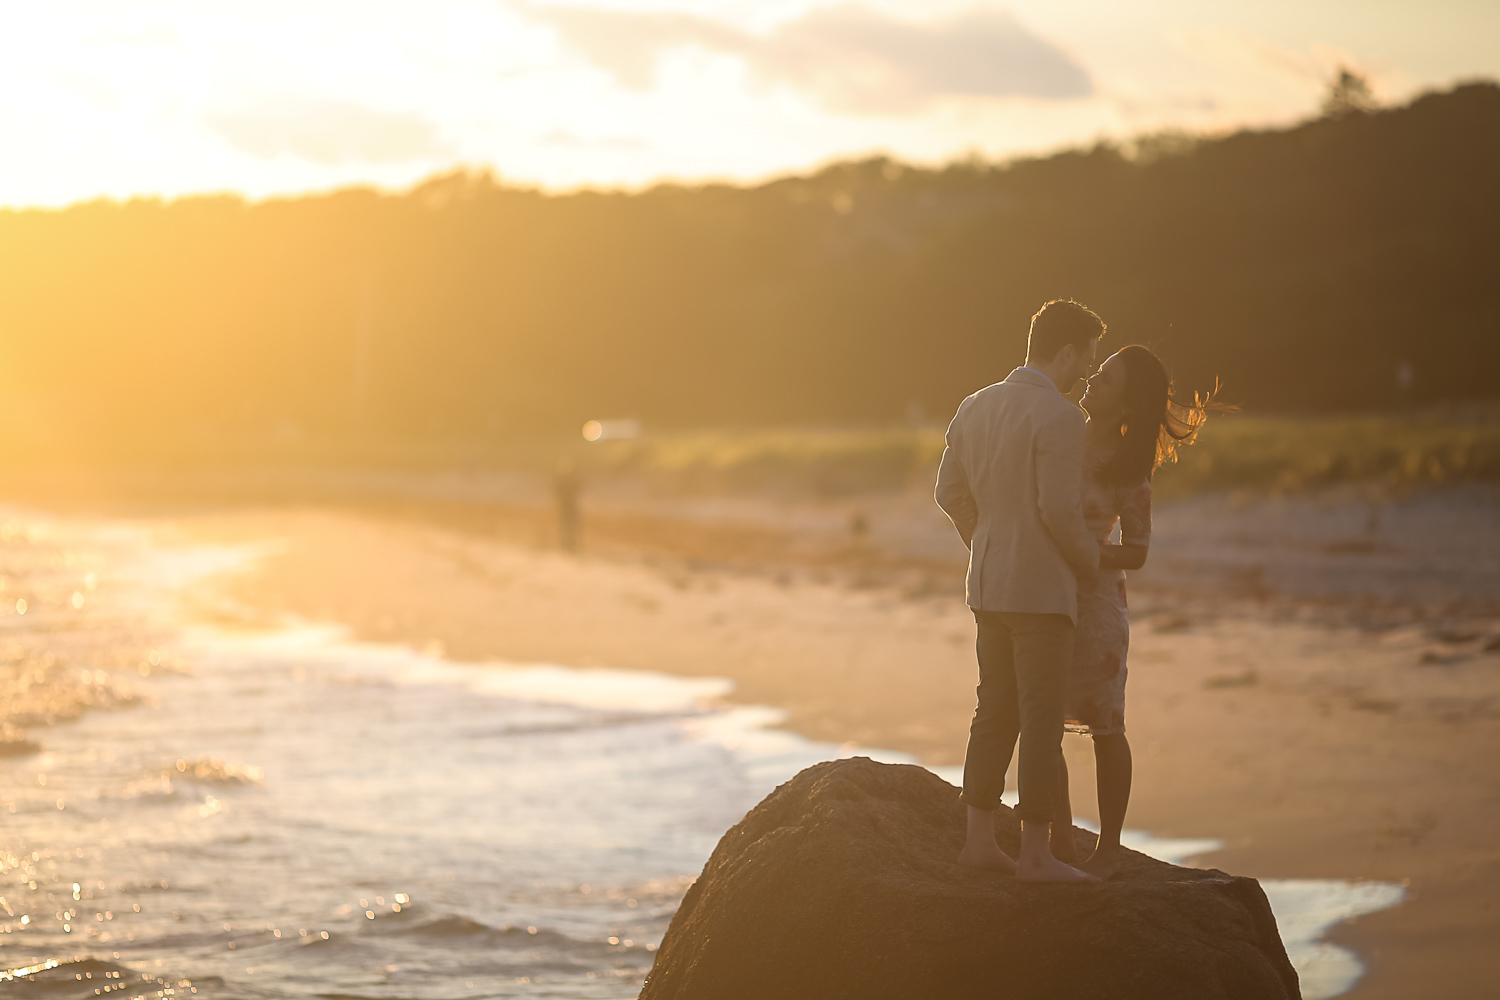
[[1303, 702]]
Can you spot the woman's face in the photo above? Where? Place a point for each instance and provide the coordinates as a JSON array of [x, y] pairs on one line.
[[1105, 398]]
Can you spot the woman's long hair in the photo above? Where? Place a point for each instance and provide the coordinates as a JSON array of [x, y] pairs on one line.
[[1156, 423]]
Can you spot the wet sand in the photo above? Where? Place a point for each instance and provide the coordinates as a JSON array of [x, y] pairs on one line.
[[1338, 733]]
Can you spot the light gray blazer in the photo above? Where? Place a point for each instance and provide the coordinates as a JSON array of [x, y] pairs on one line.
[[1010, 482]]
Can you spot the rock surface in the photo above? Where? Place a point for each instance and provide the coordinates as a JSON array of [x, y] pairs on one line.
[[842, 883]]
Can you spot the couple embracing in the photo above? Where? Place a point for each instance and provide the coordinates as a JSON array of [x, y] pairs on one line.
[[1035, 490]]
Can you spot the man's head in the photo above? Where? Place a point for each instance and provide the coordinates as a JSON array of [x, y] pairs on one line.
[[1063, 343]]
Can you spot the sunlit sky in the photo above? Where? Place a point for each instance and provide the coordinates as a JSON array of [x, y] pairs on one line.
[[166, 97]]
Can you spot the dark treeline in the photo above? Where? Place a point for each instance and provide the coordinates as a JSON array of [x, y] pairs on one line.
[[1303, 266]]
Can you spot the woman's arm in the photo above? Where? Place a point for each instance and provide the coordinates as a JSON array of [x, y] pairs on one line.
[[1135, 532], [1121, 556]]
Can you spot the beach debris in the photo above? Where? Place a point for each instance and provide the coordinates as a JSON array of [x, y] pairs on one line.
[[1248, 678], [1168, 624]]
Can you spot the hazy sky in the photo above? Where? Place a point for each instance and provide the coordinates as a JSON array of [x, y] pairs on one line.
[[103, 97]]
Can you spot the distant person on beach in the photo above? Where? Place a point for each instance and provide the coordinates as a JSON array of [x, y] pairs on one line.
[[565, 490], [1134, 425], [1009, 481]]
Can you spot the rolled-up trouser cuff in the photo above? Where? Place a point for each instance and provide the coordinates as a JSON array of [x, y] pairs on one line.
[[987, 803]]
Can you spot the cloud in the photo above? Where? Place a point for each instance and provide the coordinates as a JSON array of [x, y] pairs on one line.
[[850, 57], [564, 139], [329, 132], [627, 43], [855, 55]]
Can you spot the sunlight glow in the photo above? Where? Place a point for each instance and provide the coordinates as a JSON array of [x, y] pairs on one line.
[[170, 97]]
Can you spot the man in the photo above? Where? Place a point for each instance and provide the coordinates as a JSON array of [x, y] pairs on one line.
[[1009, 481]]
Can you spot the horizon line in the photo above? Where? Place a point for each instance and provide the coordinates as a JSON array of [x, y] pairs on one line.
[[478, 169]]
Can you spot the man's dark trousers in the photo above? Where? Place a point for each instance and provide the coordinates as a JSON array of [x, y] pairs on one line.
[[1023, 679]]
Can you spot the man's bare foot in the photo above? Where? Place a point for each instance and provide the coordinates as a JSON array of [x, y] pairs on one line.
[[1104, 862], [991, 860], [1036, 863], [1046, 868], [980, 849]]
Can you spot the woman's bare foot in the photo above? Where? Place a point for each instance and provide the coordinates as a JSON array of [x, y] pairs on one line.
[[1104, 862], [1048, 869]]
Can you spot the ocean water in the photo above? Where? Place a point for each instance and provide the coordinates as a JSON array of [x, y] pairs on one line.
[[290, 813]]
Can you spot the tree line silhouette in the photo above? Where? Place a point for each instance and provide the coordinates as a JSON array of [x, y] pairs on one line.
[[1344, 263]]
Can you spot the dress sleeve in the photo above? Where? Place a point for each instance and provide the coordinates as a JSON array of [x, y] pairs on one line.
[[1135, 515]]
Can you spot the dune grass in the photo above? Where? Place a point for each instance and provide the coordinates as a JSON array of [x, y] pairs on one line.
[[1235, 452], [1286, 454], [822, 462]]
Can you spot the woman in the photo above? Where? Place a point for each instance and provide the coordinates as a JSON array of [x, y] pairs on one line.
[[1134, 426]]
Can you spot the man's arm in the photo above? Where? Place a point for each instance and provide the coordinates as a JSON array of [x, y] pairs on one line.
[[1059, 476], [952, 493]]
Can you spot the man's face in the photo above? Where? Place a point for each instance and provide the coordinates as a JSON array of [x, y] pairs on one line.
[[1084, 363]]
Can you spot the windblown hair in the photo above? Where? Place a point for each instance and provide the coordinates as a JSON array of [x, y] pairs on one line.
[[1156, 423], [1059, 323]]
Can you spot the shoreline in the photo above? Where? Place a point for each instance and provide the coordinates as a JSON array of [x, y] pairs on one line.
[[1225, 710], [767, 755]]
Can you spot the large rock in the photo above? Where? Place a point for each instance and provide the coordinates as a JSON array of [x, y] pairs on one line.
[[842, 883]]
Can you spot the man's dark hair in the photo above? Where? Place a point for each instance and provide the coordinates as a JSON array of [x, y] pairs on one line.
[[1059, 323]]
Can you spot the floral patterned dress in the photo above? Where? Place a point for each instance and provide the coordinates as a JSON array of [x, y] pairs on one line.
[[1096, 688]]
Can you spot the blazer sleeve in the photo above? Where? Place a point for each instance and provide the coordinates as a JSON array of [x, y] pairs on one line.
[[1059, 479], [953, 494]]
